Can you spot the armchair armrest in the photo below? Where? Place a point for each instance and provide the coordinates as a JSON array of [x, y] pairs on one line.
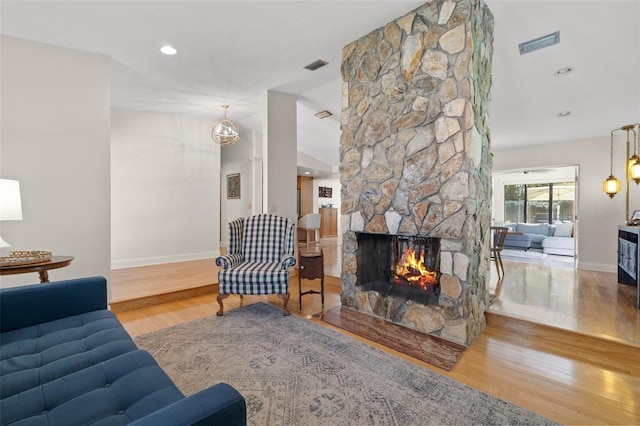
[[229, 261], [38, 303], [218, 405], [287, 261]]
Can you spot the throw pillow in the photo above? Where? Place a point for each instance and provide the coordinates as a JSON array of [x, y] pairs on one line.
[[563, 229]]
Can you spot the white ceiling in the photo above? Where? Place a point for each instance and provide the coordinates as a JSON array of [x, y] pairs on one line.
[[231, 52]]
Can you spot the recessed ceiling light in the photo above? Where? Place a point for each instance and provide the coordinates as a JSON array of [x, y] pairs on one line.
[[307, 173], [564, 113], [168, 50], [539, 43], [563, 71], [316, 64], [323, 114]]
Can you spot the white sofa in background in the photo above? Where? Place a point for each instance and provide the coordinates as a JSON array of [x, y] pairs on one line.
[[563, 246], [551, 239]]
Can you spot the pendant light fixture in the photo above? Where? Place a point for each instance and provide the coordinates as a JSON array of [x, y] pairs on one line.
[[611, 186], [225, 132], [634, 160]]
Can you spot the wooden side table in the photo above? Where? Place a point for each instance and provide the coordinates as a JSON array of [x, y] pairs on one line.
[[41, 268], [311, 267]]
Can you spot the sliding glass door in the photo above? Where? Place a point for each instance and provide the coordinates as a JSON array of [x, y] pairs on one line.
[[514, 202], [540, 202]]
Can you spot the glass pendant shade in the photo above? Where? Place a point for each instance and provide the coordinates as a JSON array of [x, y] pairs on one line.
[[611, 186], [225, 132], [634, 169]]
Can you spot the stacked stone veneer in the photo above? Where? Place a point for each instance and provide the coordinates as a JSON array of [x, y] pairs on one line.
[[415, 157]]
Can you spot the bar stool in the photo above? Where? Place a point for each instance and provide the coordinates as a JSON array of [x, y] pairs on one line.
[[311, 267], [311, 223]]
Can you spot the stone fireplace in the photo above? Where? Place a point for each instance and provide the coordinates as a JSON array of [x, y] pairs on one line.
[[416, 169]]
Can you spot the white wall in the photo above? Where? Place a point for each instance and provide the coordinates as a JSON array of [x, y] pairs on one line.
[[598, 215], [165, 188], [54, 139], [335, 199], [280, 155], [244, 157], [309, 162]]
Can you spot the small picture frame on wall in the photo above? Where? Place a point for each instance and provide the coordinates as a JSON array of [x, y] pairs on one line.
[[324, 191], [233, 186]]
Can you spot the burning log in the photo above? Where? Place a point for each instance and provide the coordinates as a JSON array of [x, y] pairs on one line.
[[411, 269]]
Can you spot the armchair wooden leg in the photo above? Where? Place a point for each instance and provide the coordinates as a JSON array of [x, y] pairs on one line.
[[285, 298], [219, 298]]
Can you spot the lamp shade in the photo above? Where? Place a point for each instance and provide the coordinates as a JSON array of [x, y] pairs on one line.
[[611, 186], [10, 203], [634, 171]]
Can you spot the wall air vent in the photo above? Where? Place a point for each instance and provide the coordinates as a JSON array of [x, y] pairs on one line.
[[539, 43], [316, 64], [323, 114]]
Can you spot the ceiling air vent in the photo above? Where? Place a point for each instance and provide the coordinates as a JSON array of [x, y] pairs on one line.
[[539, 43], [316, 64], [323, 114]]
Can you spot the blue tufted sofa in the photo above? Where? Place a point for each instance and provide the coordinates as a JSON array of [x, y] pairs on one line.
[[66, 360]]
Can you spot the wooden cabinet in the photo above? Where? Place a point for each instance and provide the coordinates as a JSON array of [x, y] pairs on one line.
[[629, 256], [305, 188], [305, 203], [328, 222]]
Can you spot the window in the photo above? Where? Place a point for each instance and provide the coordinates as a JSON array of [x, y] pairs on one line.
[[540, 202], [514, 198]]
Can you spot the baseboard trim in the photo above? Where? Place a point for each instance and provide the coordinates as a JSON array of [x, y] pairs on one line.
[[203, 290], [156, 299], [600, 267], [147, 261]]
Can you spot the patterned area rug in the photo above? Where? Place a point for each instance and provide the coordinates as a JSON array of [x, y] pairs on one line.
[[293, 371]]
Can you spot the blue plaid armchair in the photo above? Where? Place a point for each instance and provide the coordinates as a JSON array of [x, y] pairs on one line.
[[259, 257]]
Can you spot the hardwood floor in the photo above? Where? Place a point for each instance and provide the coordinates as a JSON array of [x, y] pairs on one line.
[[582, 301], [144, 281], [567, 376], [148, 285], [133, 288]]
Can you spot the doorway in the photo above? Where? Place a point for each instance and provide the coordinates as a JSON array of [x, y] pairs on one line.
[[544, 195]]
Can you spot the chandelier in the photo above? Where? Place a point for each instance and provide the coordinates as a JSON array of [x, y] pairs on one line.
[[225, 132], [611, 185]]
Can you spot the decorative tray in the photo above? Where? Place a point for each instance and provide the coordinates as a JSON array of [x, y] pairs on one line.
[[25, 257]]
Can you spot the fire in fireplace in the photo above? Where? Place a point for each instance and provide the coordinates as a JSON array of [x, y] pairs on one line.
[[410, 268], [402, 266]]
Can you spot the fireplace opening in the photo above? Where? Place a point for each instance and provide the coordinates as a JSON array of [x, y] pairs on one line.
[[402, 266]]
